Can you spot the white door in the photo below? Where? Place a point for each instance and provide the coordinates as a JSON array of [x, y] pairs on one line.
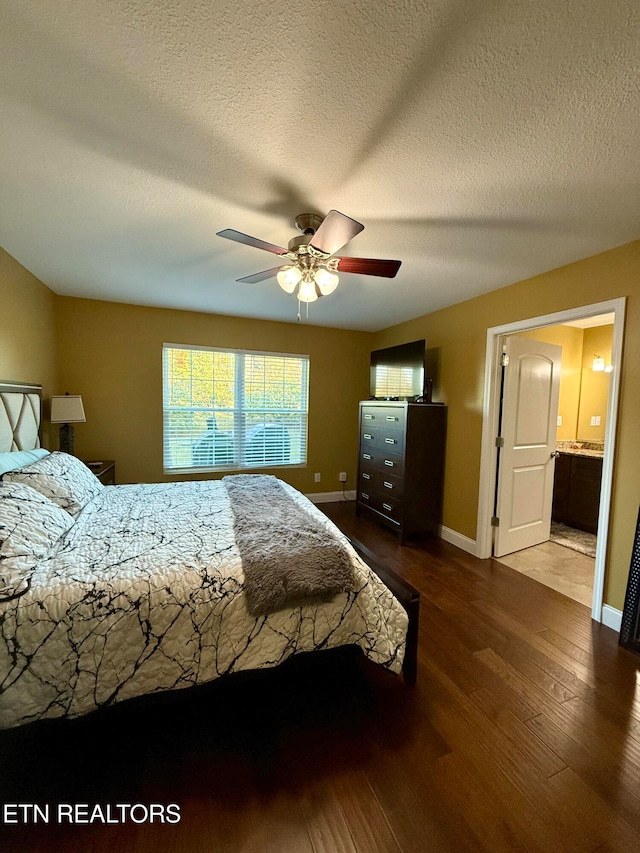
[[527, 458]]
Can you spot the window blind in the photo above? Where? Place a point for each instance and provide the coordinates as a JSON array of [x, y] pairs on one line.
[[233, 408]]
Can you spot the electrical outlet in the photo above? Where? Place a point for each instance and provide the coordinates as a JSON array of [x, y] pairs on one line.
[[559, 420], [342, 476], [316, 478], [595, 420]]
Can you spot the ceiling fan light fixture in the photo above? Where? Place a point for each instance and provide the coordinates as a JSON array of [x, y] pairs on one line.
[[312, 267], [326, 281], [288, 278], [307, 291]]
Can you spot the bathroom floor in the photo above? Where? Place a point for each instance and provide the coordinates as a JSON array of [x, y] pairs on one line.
[[563, 569]]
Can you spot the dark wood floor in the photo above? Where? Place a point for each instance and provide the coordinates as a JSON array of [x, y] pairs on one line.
[[523, 733]]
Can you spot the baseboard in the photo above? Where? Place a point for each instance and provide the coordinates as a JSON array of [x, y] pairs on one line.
[[331, 497], [457, 539], [611, 617]]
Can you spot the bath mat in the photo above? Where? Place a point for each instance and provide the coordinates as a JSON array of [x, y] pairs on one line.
[[570, 537]]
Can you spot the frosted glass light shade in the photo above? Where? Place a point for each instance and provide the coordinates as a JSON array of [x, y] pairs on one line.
[[307, 291], [288, 278], [598, 364], [326, 281]]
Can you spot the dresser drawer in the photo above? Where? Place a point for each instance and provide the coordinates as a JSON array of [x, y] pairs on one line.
[[390, 486], [389, 507], [369, 479], [382, 438], [392, 463], [389, 416], [381, 460]]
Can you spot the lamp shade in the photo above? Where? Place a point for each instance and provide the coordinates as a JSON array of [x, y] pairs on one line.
[[288, 277], [67, 409], [326, 281], [307, 290]]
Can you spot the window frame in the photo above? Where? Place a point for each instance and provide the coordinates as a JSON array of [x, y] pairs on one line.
[[239, 410]]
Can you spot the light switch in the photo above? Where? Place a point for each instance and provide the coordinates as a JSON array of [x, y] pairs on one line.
[[595, 420]]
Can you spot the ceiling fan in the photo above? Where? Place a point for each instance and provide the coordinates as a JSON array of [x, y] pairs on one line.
[[309, 263]]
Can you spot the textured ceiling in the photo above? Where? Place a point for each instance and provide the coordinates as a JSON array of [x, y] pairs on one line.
[[479, 141]]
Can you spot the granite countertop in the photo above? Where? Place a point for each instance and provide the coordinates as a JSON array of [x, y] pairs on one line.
[[580, 451], [581, 448]]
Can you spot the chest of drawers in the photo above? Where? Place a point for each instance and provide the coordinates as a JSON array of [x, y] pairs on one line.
[[401, 464]]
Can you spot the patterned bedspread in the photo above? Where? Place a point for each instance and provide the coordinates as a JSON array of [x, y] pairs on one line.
[[145, 594]]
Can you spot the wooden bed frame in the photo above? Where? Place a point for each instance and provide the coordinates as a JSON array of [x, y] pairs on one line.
[[409, 598]]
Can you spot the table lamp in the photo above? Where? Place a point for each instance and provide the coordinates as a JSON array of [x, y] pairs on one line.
[[67, 409]]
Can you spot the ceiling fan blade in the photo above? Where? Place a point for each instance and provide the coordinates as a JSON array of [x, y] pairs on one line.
[[336, 230], [369, 266], [259, 276], [239, 237]]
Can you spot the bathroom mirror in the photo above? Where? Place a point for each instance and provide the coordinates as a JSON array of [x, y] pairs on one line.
[[630, 630]]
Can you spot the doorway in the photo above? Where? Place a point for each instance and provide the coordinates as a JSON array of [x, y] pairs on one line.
[[491, 414]]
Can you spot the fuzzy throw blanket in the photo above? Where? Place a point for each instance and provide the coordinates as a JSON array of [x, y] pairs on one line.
[[289, 558]]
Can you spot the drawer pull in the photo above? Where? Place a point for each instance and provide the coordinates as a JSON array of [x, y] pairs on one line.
[[391, 418], [366, 456], [389, 463], [366, 476], [388, 507], [364, 495], [369, 417], [366, 435], [390, 440], [387, 485]]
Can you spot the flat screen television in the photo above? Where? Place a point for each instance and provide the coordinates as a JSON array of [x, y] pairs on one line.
[[398, 373]]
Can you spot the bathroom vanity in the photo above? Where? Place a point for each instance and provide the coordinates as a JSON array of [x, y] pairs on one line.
[[576, 488]]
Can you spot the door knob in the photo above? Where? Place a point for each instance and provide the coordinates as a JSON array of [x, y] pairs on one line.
[[555, 453]]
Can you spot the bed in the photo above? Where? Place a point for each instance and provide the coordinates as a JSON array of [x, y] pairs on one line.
[[113, 592]]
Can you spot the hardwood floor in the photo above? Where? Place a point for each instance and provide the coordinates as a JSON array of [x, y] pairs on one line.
[[522, 734]]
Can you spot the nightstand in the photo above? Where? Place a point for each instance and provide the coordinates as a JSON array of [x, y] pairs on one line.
[[105, 470]]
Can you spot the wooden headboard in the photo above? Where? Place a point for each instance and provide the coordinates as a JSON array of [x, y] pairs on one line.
[[20, 416]]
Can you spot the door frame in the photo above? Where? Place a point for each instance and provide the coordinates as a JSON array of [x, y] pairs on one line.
[[490, 415]]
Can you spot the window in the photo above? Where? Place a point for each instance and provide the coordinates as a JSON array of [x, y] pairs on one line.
[[233, 408]]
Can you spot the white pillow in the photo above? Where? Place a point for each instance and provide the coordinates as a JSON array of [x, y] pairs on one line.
[[62, 478], [30, 526]]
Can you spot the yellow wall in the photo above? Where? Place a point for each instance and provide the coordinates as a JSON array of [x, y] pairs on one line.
[[595, 386], [112, 354], [570, 339], [460, 334], [27, 330]]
